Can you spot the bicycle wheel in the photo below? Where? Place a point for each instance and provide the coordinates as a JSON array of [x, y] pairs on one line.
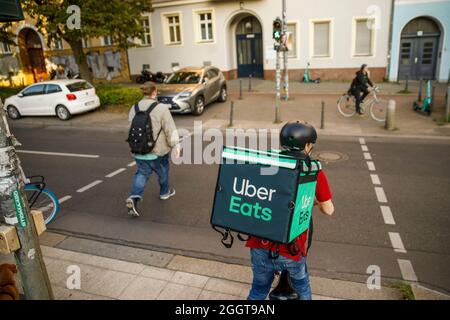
[[378, 110], [346, 105], [44, 201]]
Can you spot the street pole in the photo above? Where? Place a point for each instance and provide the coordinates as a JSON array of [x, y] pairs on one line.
[[16, 212], [285, 55], [278, 88]]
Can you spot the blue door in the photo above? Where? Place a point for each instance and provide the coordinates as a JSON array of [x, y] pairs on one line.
[[249, 55]]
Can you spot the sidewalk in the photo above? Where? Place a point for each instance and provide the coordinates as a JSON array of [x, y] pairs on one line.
[[119, 272], [329, 87]]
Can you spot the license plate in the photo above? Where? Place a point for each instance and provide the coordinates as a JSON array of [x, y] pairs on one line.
[[90, 103]]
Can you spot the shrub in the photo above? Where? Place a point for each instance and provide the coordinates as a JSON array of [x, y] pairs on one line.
[[114, 95], [6, 92]]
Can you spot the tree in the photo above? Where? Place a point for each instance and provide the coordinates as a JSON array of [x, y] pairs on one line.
[[116, 18], [6, 36]]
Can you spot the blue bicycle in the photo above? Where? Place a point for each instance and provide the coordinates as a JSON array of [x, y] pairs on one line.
[[40, 198]]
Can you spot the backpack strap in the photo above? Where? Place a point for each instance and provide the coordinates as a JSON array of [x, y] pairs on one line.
[[274, 255], [151, 108], [136, 107], [225, 235], [310, 234], [148, 111]]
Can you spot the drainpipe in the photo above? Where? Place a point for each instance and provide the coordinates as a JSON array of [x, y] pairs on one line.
[[391, 28]]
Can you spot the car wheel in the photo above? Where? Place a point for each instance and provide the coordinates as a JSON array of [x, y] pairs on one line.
[[13, 113], [63, 113], [223, 94], [199, 106]]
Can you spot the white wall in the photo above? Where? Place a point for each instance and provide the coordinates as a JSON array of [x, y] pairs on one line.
[[222, 52]]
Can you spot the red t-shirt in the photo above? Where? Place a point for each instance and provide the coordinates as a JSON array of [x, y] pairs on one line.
[[323, 194]]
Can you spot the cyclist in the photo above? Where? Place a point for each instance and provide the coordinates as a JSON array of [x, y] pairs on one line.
[[360, 85], [295, 137]]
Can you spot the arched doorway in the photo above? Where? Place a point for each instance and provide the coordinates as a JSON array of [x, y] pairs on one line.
[[249, 47], [419, 49], [32, 53]]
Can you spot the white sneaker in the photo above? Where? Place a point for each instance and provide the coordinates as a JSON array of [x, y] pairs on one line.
[[167, 196], [132, 207]]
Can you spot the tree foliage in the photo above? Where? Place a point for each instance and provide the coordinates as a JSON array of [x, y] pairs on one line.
[[116, 18]]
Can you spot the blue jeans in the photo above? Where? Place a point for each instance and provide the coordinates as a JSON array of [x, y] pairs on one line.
[[145, 169], [263, 273]]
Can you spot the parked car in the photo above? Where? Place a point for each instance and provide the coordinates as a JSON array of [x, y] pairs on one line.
[[189, 90], [62, 98]]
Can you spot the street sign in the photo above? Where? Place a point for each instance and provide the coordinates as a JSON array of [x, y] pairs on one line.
[[20, 210], [10, 10]]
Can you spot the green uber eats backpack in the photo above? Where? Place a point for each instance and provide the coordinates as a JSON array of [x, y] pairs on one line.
[[275, 207]]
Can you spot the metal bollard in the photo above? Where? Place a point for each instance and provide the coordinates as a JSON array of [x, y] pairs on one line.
[[231, 114], [390, 116], [406, 84], [420, 89], [250, 83], [447, 105], [322, 116], [240, 89]]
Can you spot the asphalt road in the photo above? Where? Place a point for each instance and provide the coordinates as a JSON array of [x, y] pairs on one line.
[[414, 176]]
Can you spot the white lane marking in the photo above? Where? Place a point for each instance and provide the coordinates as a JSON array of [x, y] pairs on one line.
[[64, 199], [397, 242], [90, 185], [78, 155], [407, 270], [362, 141], [371, 165], [375, 179], [364, 148], [112, 174], [381, 196], [387, 215], [132, 164], [367, 156]]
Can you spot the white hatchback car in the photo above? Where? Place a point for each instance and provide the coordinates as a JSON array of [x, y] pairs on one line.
[[62, 98]]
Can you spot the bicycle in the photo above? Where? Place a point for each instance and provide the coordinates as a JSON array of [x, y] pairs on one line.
[[40, 198], [346, 105]]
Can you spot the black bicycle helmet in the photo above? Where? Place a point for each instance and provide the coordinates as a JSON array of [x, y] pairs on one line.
[[295, 135]]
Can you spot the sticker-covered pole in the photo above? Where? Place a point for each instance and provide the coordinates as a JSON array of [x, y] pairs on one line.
[[15, 211]]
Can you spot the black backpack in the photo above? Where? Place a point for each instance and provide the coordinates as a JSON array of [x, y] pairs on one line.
[[140, 136]]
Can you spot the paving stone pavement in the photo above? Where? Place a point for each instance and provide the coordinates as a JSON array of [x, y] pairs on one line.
[[185, 278]]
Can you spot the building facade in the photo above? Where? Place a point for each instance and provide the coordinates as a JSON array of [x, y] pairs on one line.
[[335, 37], [32, 57], [420, 40]]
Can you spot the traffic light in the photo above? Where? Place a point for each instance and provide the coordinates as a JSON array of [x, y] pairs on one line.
[[277, 29]]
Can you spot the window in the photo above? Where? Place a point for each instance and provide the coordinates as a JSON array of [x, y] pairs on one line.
[[107, 41], [364, 37], [292, 39], [86, 42], [146, 38], [5, 48], [57, 43], [211, 74], [184, 77], [205, 26], [79, 86], [174, 28], [34, 90], [321, 38], [53, 88]]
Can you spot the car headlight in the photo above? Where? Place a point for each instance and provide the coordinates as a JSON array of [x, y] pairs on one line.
[[184, 94]]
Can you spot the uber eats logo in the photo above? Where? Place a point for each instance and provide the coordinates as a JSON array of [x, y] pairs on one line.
[[244, 188]]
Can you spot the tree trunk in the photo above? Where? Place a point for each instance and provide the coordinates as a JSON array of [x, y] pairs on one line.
[[80, 58]]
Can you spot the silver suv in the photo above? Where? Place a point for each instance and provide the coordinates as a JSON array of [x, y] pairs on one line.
[[191, 89]]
